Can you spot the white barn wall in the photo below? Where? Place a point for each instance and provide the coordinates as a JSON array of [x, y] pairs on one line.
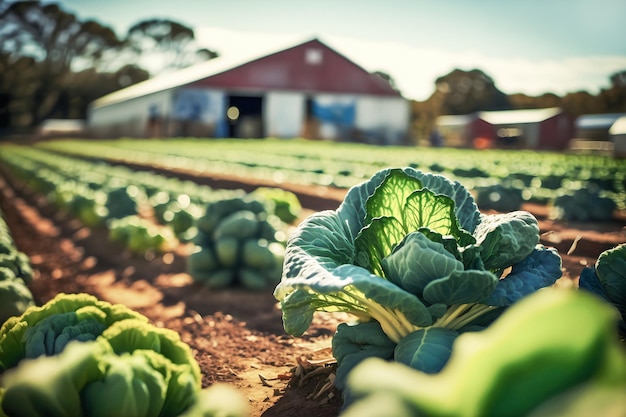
[[381, 120], [131, 117], [128, 118], [284, 114], [382, 117]]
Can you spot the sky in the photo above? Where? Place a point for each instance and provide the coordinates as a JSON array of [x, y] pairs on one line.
[[525, 46]]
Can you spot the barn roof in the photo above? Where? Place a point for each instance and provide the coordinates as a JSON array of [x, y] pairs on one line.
[[618, 127], [597, 121], [311, 66], [518, 116], [454, 120]]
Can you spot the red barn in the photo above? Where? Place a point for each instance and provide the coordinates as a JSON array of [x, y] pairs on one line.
[[308, 90]]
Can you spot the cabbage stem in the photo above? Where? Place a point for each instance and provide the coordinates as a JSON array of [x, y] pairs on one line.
[[460, 315], [393, 322]]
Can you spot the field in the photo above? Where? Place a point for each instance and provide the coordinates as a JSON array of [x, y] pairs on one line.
[[237, 334]]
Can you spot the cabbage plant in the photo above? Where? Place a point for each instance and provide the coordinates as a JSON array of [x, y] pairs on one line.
[[46, 330], [553, 354], [80, 356], [607, 278], [411, 256]]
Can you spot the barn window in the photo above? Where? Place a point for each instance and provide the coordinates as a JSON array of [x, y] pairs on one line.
[[313, 56]]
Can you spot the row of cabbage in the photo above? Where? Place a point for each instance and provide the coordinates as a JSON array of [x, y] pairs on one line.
[[16, 274], [457, 316], [237, 238], [80, 356], [579, 187]]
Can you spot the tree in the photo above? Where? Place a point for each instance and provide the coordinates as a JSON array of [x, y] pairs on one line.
[[89, 84], [469, 91], [45, 43], [615, 97], [163, 45]]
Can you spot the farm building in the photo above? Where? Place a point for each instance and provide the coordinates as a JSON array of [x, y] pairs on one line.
[[462, 131], [308, 90], [617, 136], [548, 128], [592, 132]]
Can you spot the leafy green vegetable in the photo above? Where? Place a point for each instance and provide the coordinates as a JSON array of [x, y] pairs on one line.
[[77, 355], [521, 362], [91, 379], [583, 205], [15, 276], [353, 343], [238, 244], [499, 197], [58, 383], [285, 203], [608, 280], [219, 400], [46, 330], [427, 349], [123, 201], [411, 251], [15, 298]]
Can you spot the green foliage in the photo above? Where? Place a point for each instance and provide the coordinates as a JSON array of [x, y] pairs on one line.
[[47, 329], [15, 298], [522, 365], [139, 235], [285, 203], [122, 202], [607, 278], [238, 244], [347, 164], [77, 355], [583, 205], [15, 276], [499, 198], [411, 251]]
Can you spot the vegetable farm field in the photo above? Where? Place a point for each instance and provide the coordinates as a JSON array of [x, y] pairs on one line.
[[192, 232]]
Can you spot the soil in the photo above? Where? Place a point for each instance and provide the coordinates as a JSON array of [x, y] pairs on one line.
[[236, 335]]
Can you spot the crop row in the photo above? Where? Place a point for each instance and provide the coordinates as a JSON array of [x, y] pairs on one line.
[[15, 276], [530, 176], [237, 238], [456, 313]]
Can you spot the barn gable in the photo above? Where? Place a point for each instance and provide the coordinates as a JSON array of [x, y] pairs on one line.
[[310, 67]]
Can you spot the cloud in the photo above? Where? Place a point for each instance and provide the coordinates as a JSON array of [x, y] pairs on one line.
[[416, 69]]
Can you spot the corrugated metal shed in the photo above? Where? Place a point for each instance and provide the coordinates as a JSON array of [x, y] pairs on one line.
[[519, 116], [597, 121], [547, 128], [619, 127], [617, 134]]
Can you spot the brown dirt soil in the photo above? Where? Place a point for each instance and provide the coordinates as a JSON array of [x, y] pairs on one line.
[[236, 335]]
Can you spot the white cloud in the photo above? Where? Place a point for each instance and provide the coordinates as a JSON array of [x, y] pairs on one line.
[[415, 70]]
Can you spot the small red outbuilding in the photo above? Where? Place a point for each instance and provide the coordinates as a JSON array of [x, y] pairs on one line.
[[545, 129]]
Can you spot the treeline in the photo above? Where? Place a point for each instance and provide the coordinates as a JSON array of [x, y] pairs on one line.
[[464, 92], [52, 65]]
